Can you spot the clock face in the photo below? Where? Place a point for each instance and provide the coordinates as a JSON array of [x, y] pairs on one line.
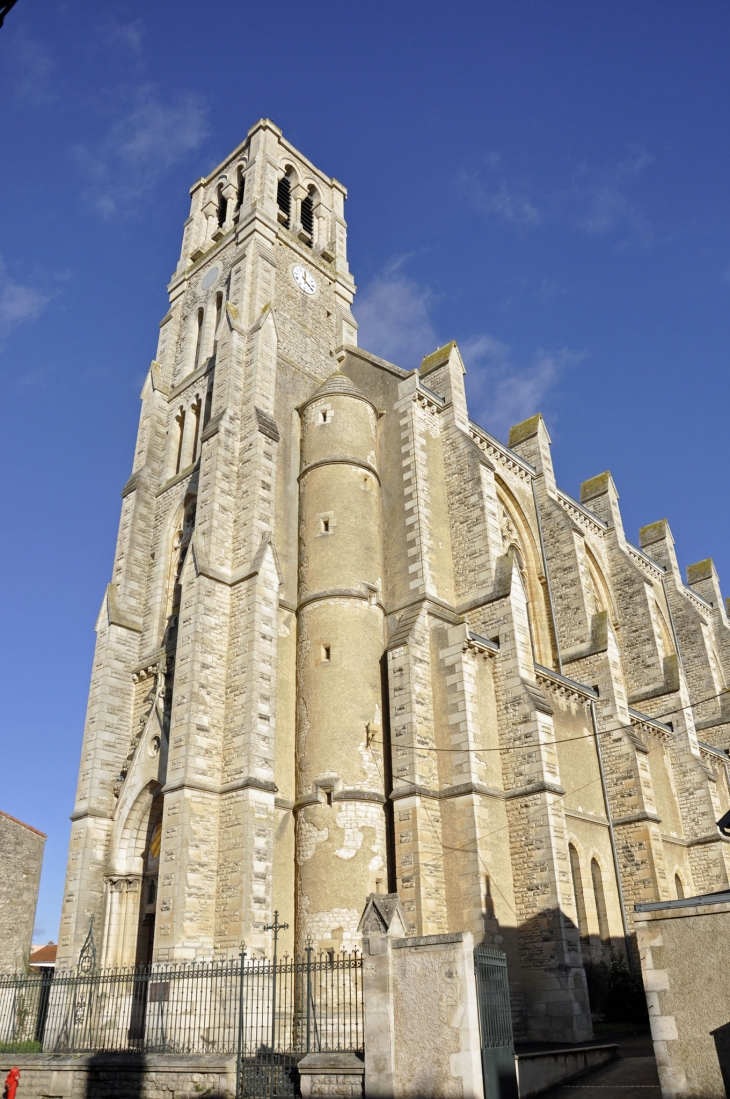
[[303, 279]]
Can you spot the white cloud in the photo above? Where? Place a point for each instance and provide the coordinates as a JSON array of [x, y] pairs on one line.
[[29, 69], [18, 303], [606, 206], [126, 36], [502, 393], [509, 201], [151, 137], [594, 200], [392, 313]]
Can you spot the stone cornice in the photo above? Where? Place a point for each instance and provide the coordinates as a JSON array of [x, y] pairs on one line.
[[181, 476], [564, 683], [340, 460], [339, 593], [463, 789], [208, 786]]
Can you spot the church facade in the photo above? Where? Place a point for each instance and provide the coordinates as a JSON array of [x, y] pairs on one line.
[[354, 644]]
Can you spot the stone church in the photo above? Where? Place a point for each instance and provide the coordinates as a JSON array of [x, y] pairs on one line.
[[354, 644]]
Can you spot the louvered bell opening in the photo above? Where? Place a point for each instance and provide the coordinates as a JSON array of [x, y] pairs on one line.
[[308, 217], [283, 198], [239, 192]]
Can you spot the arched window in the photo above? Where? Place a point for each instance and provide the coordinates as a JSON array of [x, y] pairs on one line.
[[600, 897], [180, 546], [148, 900], [679, 887], [240, 189], [222, 205], [180, 421], [283, 200], [198, 337], [580, 905], [308, 218], [196, 432], [218, 311], [208, 402]]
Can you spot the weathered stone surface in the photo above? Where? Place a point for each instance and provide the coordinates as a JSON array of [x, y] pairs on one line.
[[686, 971], [21, 856], [122, 1076]]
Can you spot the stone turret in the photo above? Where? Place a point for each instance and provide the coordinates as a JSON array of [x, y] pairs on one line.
[[340, 823]]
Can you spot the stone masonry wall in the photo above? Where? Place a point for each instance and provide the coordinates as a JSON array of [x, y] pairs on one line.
[[20, 876]]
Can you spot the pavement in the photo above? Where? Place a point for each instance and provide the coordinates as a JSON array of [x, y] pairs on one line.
[[632, 1076]]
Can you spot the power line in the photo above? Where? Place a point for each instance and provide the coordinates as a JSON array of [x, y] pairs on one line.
[[566, 740]]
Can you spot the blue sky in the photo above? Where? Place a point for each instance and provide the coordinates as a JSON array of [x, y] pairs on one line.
[[546, 182]]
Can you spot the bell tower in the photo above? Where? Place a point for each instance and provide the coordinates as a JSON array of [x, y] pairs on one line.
[[183, 837]]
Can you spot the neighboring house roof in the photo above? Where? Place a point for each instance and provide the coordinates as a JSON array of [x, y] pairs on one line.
[[22, 822], [44, 955]]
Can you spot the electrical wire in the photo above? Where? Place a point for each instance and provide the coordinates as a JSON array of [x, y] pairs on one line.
[[472, 846], [565, 740]]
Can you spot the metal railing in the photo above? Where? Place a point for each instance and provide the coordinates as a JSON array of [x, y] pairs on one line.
[[251, 1007]]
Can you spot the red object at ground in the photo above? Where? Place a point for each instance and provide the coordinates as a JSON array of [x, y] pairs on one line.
[[11, 1083]]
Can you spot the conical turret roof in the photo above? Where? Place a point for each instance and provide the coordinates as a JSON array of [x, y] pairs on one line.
[[337, 385]]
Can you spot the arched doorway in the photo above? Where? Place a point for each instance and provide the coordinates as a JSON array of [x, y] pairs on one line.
[[148, 895]]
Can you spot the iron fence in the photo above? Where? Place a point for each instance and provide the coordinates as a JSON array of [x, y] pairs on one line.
[[255, 1008]]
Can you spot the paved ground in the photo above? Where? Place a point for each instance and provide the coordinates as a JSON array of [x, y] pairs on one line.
[[633, 1076]]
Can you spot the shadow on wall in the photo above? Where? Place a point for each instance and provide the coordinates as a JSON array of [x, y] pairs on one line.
[[116, 1076], [722, 1046]]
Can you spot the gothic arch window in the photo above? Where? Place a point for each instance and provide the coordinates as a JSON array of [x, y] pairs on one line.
[[218, 312], [515, 549], [180, 545], [599, 592], [283, 200], [600, 898], [665, 634], [180, 424], [307, 216], [517, 536], [208, 401], [240, 186], [150, 876], [200, 316], [195, 410], [678, 887], [580, 904]]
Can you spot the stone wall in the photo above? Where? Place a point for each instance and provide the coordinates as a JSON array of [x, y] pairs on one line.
[[122, 1076], [20, 876], [685, 964]]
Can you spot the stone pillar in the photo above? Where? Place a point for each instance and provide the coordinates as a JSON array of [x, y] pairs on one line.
[[420, 1009], [340, 823]]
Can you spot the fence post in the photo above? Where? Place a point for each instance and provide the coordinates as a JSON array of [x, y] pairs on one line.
[[309, 948], [239, 1051]]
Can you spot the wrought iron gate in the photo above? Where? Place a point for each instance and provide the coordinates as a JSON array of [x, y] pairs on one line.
[[495, 1024], [291, 1007]]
